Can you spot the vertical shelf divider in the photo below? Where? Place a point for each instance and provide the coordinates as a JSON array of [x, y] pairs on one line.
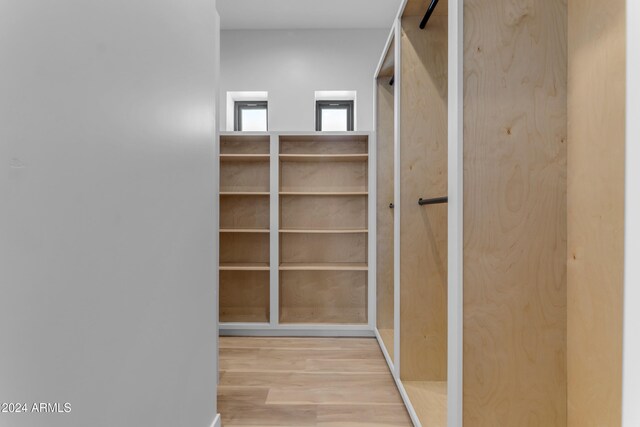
[[274, 221]]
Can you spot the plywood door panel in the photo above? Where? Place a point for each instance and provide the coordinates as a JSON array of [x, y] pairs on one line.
[[384, 246], [244, 212], [323, 176], [323, 248], [515, 123], [323, 212], [323, 297], [328, 144], [244, 248], [244, 176], [244, 296], [596, 150], [423, 173], [243, 144]]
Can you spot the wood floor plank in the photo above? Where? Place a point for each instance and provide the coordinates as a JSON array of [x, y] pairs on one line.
[[315, 382]]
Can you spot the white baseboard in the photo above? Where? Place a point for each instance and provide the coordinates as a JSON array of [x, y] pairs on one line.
[[217, 421]]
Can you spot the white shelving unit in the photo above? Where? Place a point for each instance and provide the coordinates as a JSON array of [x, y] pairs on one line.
[[251, 212]]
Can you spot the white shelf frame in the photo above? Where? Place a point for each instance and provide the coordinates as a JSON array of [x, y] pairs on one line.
[[274, 327]]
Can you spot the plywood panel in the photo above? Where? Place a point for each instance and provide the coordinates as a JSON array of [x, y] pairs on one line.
[[244, 144], [323, 297], [244, 176], [596, 108], [384, 247], [419, 7], [323, 248], [323, 176], [244, 296], [429, 400], [323, 212], [423, 229], [244, 212], [514, 213], [244, 248], [327, 144]]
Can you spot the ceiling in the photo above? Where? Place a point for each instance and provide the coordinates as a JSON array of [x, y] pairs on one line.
[[306, 14]]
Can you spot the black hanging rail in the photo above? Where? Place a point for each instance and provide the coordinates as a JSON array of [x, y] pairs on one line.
[[434, 201], [427, 15], [393, 78]]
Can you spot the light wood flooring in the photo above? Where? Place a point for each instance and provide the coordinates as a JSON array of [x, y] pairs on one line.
[[322, 382]]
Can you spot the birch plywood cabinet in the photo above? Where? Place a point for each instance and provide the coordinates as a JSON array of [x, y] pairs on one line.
[[294, 243], [501, 104]]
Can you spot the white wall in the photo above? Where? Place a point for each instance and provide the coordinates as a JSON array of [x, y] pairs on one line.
[[292, 65], [107, 190], [631, 340]]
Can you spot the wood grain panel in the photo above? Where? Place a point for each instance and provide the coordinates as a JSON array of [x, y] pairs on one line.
[[244, 144], [429, 400], [323, 176], [320, 382], [244, 176], [244, 248], [384, 230], [323, 144], [515, 55], [323, 212], [244, 212], [418, 8], [323, 297], [244, 296], [596, 108], [423, 229], [323, 248]]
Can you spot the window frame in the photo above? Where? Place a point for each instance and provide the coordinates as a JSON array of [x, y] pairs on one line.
[[335, 105], [239, 106]]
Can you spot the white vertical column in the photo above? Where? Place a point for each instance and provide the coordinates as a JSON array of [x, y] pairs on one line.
[[396, 193], [631, 338], [372, 219], [455, 215], [274, 234]]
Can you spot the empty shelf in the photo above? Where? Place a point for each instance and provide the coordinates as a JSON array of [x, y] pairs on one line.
[[324, 193], [323, 157], [244, 230], [244, 193], [244, 157], [244, 266], [429, 400], [318, 231], [358, 266]]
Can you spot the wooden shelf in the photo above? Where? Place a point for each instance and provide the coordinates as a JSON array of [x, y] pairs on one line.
[[324, 193], [244, 266], [429, 400], [318, 231], [244, 157], [244, 193], [356, 266], [244, 230], [323, 157]]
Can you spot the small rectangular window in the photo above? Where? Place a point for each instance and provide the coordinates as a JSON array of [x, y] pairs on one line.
[[250, 116], [334, 115]]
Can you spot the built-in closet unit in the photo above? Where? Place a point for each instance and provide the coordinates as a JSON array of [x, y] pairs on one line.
[[294, 242], [507, 294], [384, 90]]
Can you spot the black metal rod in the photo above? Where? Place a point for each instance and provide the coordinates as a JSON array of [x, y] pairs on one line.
[[427, 15], [393, 78], [434, 201]]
